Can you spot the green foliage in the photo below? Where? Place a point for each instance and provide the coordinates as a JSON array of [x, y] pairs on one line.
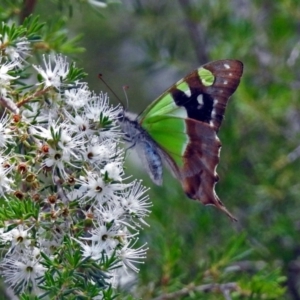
[[25, 210], [66, 276], [263, 285], [75, 74], [55, 38]]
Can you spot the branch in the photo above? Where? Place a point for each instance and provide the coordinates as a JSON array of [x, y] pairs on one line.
[[34, 95], [27, 9], [196, 33], [9, 104], [223, 288], [293, 279]]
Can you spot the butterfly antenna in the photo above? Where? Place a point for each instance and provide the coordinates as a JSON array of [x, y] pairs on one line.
[[100, 76]]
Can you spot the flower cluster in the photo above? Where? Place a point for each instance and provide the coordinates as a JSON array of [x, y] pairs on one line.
[[65, 200]]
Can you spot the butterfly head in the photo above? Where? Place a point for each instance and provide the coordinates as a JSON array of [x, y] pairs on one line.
[[129, 125]]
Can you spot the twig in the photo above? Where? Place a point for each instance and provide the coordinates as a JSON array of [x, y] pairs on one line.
[[223, 288], [28, 8], [34, 95], [292, 156], [293, 279], [9, 104], [196, 33]]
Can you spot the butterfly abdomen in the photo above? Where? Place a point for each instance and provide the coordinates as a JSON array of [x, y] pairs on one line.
[[151, 160]]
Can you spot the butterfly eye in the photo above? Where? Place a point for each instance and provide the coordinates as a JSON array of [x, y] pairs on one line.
[[120, 115], [128, 138]]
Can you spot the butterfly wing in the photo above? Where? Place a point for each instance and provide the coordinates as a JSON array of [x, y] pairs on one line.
[[184, 121], [204, 93]]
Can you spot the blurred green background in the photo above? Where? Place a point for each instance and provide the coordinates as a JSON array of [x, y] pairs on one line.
[[149, 45]]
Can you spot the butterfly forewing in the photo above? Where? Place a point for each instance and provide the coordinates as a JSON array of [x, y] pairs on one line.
[[198, 98], [227, 75]]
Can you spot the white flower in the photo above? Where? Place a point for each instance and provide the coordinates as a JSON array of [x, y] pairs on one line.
[[56, 75], [135, 202], [22, 271], [77, 98], [45, 134], [101, 153], [74, 134], [96, 189], [80, 124], [69, 142], [57, 159], [35, 113], [74, 195], [112, 212], [113, 171], [130, 256], [18, 50], [5, 182], [6, 134], [65, 139], [93, 249], [104, 236], [98, 105], [101, 240], [17, 236], [63, 145], [97, 110], [5, 78], [40, 112]]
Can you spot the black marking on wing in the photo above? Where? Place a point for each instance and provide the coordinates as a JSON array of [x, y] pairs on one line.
[[195, 110], [208, 103]]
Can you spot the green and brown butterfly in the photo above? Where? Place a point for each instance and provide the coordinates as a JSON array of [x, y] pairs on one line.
[[180, 129]]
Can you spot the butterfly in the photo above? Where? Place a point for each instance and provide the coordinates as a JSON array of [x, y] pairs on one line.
[[180, 129]]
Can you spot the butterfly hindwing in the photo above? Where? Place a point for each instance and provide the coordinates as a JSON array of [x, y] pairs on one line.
[[191, 151], [201, 158]]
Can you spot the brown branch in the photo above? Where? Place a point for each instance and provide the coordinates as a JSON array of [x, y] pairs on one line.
[[196, 32], [27, 9], [293, 279], [9, 104], [223, 288], [35, 95]]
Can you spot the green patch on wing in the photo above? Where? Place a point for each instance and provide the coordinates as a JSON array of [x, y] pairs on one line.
[[161, 106], [170, 134], [182, 85], [206, 76]]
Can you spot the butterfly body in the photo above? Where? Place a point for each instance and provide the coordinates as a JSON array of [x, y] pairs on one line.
[[180, 128], [146, 148]]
